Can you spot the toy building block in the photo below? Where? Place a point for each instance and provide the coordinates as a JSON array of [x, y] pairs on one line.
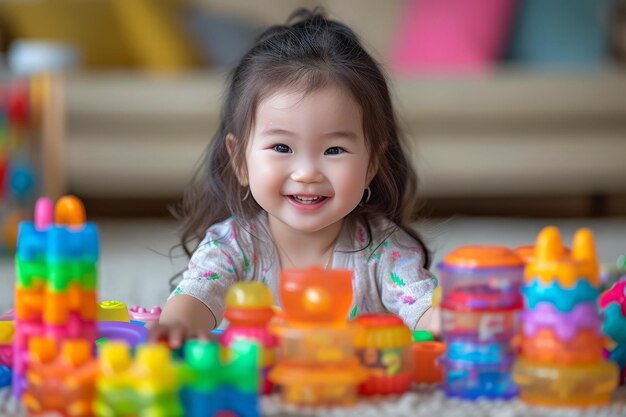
[[613, 304], [56, 274], [145, 386], [7, 332], [143, 315], [5, 376], [61, 380], [249, 309], [215, 387], [112, 310], [561, 361]]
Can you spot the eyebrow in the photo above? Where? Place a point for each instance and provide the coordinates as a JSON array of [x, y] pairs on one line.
[[282, 132], [274, 131]]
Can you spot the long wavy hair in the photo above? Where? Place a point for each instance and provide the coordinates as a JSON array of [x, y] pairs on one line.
[[307, 53]]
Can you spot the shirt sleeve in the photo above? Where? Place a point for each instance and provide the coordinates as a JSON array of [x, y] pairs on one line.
[[406, 287], [214, 266]]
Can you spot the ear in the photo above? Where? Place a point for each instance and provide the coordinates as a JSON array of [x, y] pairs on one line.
[[240, 171], [372, 170]]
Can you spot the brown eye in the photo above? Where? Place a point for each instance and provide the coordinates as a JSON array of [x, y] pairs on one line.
[[281, 148], [335, 150]]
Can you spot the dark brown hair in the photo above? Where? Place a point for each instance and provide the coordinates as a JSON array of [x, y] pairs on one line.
[[306, 54]]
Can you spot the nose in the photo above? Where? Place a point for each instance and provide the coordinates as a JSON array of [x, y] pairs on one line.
[[307, 172]]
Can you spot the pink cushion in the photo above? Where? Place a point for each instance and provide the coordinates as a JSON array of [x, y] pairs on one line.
[[451, 35]]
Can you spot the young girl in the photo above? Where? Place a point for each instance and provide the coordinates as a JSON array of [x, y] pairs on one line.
[[307, 168]]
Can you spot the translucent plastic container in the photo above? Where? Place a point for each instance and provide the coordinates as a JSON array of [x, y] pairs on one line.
[[482, 326], [559, 385], [383, 347], [315, 295], [319, 385], [468, 380], [473, 350], [316, 344], [482, 277]]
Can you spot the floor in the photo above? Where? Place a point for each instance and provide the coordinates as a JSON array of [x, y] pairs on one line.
[[138, 256]]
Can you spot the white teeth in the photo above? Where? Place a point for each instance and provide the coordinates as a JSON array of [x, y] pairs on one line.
[[306, 200]]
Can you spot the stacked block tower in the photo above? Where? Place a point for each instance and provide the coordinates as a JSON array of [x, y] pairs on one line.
[[318, 363], [480, 307], [249, 309], [56, 277], [561, 361]]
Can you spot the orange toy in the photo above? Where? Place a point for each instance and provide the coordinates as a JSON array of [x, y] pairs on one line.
[[383, 344], [426, 366], [545, 347], [61, 380], [315, 295]]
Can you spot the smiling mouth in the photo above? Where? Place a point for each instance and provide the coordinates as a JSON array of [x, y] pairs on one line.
[[308, 199]]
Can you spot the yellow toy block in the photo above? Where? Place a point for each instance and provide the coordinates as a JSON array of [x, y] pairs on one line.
[[553, 263]]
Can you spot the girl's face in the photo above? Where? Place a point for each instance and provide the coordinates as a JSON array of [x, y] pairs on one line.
[[307, 162]]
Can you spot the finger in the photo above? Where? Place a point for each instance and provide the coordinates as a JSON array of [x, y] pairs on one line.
[[176, 337], [157, 332], [203, 335]]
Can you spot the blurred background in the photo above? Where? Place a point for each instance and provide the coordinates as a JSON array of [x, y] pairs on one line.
[[513, 108]]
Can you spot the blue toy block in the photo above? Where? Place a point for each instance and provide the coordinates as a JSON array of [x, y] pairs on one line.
[[564, 299]]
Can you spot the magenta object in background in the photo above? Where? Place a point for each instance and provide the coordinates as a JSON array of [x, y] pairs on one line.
[[451, 36]]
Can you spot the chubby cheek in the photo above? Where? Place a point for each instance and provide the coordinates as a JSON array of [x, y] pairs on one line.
[[351, 185], [263, 176]]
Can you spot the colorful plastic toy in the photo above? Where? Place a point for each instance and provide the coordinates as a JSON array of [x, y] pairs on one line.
[[7, 333], [112, 310], [249, 311], [383, 345], [561, 361], [426, 357], [318, 365], [480, 307], [613, 304], [61, 379], [145, 386], [130, 333], [143, 315], [217, 388], [55, 290], [5, 376]]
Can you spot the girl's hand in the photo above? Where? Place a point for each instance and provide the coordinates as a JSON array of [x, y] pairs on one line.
[[175, 335], [183, 317]]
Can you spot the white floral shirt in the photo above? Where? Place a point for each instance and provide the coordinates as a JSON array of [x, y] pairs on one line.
[[388, 271]]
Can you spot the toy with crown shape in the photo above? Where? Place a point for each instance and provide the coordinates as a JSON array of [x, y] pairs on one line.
[[561, 361], [56, 274]]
